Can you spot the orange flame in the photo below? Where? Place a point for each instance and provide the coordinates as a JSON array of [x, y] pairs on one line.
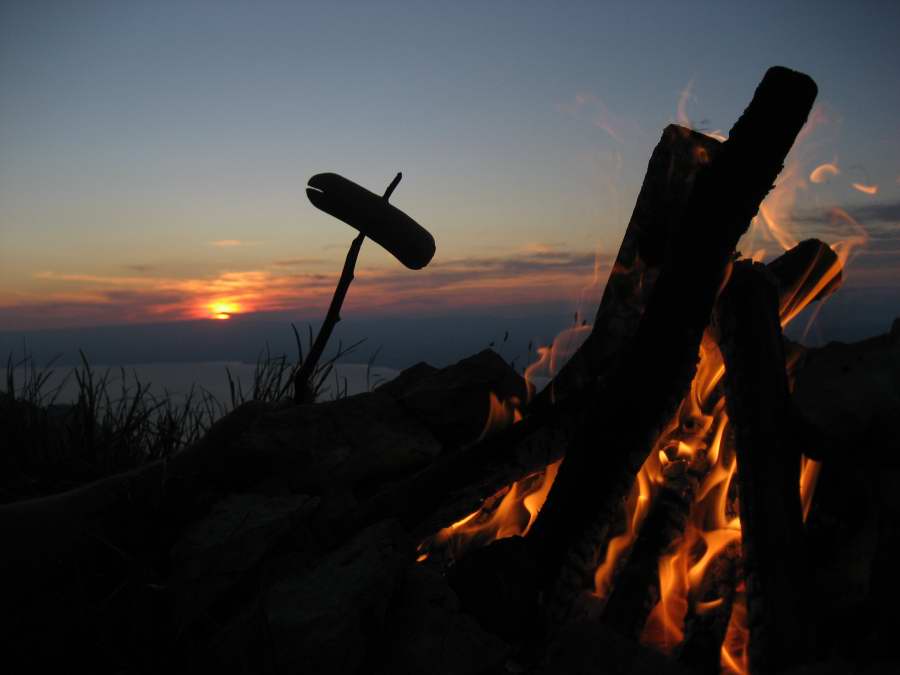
[[510, 512], [824, 172], [695, 436], [865, 189], [501, 414], [552, 358], [734, 657]]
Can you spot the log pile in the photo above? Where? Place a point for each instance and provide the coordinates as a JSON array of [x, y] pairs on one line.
[[295, 537]]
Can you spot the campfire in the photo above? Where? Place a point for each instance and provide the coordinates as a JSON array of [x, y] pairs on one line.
[[654, 506], [669, 569]]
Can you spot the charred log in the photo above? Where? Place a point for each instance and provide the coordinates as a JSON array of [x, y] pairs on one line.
[[707, 620], [636, 589], [806, 273], [616, 434], [657, 213], [768, 470]]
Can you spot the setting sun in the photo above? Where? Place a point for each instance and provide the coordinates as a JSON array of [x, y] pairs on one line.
[[223, 310]]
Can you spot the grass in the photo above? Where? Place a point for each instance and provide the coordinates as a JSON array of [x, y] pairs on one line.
[[115, 422]]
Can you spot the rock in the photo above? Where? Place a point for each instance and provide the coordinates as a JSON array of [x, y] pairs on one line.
[[429, 635], [215, 552], [851, 392], [592, 648], [499, 585], [356, 443], [327, 618], [454, 402]]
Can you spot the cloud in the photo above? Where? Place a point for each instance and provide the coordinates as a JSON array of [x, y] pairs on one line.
[[228, 243], [537, 274], [884, 212], [299, 262]]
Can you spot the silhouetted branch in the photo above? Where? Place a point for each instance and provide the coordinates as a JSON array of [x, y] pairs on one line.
[[303, 392]]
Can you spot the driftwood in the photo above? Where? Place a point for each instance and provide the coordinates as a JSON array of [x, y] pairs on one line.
[[768, 470], [613, 440], [657, 213]]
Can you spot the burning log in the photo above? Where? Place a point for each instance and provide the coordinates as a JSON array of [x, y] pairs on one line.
[[664, 193], [615, 437], [806, 273], [635, 591], [768, 469], [707, 620]]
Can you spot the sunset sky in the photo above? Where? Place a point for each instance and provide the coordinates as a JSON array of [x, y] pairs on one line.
[[153, 155]]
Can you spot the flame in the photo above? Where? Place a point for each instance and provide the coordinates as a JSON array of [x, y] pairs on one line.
[[552, 358], [824, 172], [696, 437], [510, 512], [664, 626], [809, 475], [637, 504], [865, 189], [734, 657], [775, 211], [501, 414], [844, 250]]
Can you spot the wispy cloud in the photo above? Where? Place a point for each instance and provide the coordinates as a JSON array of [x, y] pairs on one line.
[[228, 243], [300, 262], [140, 269], [535, 274]]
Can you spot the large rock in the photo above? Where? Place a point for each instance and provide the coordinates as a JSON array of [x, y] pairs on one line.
[[325, 619], [453, 402], [215, 552], [592, 648], [362, 442], [428, 634], [851, 392], [348, 444]]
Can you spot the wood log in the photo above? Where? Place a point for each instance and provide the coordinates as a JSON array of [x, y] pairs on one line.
[[705, 630], [456, 484], [636, 588], [654, 221], [808, 272], [768, 470], [641, 395]]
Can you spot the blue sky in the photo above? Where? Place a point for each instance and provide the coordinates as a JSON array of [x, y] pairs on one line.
[[155, 154]]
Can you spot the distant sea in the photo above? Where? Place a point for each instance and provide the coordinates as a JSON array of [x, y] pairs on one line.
[[176, 379]]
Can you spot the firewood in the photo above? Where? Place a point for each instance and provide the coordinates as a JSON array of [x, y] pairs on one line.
[[773, 540], [654, 221], [614, 438], [810, 271], [635, 590], [705, 630], [456, 484]]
